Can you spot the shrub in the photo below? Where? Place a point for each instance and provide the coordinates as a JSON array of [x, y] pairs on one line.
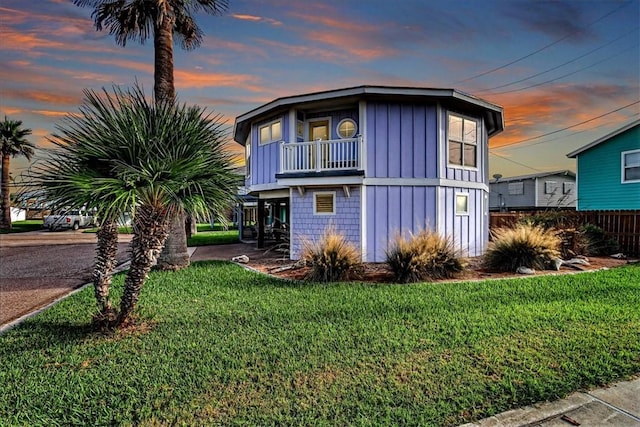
[[521, 246], [597, 242], [552, 219], [425, 256], [332, 258]]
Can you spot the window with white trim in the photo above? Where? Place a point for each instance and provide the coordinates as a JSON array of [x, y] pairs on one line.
[[347, 128], [324, 203], [568, 187], [463, 141], [462, 204], [631, 166], [550, 187], [270, 132]]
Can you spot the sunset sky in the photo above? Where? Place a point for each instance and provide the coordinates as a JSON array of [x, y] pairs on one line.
[[566, 72]]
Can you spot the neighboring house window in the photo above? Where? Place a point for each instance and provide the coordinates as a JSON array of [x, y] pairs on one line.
[[324, 203], [271, 132], [347, 128], [463, 141], [516, 188], [462, 204], [631, 166], [550, 187], [567, 187]]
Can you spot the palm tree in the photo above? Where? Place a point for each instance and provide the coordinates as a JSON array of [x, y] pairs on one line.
[[160, 19], [14, 143], [157, 159]]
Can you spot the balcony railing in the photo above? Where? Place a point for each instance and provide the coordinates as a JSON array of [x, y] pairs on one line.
[[319, 156]]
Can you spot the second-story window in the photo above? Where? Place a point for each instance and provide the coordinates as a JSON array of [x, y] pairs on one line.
[[347, 128], [271, 132], [463, 141]]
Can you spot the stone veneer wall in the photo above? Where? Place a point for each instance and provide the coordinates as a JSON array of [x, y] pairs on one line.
[[304, 224]]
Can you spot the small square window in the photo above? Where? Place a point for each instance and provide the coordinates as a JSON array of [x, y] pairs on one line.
[[516, 188], [567, 187], [324, 203], [462, 204], [550, 187]]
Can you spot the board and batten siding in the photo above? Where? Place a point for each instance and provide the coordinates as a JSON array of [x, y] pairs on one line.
[[599, 175], [306, 225], [394, 209], [402, 140], [265, 159], [468, 232]]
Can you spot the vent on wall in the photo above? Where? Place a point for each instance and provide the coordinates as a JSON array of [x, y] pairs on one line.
[[324, 203]]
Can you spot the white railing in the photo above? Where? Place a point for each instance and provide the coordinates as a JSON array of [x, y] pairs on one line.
[[319, 155]]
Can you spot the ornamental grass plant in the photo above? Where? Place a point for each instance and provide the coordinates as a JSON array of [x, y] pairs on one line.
[[524, 245], [332, 258], [423, 256]]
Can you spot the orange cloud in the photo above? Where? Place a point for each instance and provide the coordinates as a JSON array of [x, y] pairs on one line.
[[253, 18], [190, 79]]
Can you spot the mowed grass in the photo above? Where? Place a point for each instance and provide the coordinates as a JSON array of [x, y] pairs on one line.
[[24, 226], [224, 346]]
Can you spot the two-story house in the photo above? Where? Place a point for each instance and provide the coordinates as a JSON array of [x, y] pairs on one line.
[[373, 161]]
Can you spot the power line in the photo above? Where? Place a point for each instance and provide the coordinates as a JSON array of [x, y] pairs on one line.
[[559, 66], [559, 137], [513, 161], [570, 127], [541, 49], [568, 74]]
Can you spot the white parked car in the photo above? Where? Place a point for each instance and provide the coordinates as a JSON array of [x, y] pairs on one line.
[[69, 219]]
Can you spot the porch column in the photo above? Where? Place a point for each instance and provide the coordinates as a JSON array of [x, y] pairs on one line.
[[261, 219]]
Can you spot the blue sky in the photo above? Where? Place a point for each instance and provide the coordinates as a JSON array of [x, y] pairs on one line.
[[551, 64]]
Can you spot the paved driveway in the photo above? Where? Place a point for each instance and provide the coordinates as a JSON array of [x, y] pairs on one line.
[[41, 266]]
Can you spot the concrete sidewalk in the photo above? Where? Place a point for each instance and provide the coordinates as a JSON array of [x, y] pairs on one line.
[[617, 405]]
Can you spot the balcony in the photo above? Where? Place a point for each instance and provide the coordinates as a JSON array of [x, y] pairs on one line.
[[321, 156]]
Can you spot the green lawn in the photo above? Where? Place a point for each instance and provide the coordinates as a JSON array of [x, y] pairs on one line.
[[23, 226], [225, 346]]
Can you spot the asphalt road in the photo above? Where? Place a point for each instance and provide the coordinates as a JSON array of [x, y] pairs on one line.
[[38, 267]]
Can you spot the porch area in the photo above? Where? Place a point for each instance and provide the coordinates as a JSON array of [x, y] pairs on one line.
[[322, 155]]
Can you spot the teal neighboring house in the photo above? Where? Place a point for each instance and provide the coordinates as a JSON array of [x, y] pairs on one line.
[[608, 171]]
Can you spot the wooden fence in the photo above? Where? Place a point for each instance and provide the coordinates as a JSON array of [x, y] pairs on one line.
[[623, 226]]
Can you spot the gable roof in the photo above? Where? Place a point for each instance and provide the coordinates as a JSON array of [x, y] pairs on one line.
[[605, 138], [492, 113], [565, 172]]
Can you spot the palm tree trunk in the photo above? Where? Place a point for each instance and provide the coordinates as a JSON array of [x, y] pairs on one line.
[[107, 250], [5, 221], [150, 229], [175, 255], [163, 59]]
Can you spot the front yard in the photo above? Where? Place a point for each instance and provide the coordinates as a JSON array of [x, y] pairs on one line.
[[220, 345]]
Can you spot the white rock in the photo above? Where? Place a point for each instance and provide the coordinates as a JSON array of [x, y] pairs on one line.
[[243, 259], [525, 270]]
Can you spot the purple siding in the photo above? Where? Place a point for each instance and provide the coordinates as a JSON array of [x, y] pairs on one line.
[[402, 140], [304, 224], [335, 117], [468, 232], [265, 160], [396, 209]]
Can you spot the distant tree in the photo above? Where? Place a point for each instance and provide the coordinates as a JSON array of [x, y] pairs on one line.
[[14, 143], [161, 20], [155, 158]]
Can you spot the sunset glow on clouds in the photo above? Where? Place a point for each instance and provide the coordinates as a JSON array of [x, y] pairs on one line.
[[551, 65]]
